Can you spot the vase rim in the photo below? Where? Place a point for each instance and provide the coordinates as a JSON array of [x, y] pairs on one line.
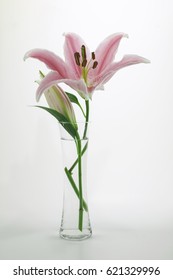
[[77, 122]]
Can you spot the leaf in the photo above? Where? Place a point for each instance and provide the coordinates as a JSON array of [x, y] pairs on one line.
[[62, 120], [41, 74], [74, 99]]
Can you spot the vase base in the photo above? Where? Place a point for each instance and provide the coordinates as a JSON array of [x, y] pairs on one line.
[[75, 235]]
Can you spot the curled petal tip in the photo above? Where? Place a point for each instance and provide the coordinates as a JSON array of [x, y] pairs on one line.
[[37, 98], [126, 35], [146, 60], [25, 56], [66, 34]]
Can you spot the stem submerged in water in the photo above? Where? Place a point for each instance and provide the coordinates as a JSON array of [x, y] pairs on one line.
[[76, 161], [79, 150], [79, 192], [69, 176]]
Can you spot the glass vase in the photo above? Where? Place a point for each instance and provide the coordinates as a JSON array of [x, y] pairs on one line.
[[75, 222]]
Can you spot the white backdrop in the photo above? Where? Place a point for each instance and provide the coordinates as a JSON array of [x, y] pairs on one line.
[[131, 155]]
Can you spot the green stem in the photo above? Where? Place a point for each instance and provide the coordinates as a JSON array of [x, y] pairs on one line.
[[69, 176], [76, 161], [87, 118], [82, 110], [80, 152], [80, 225], [84, 135]]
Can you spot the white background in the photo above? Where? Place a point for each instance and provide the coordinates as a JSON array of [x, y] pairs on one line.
[[130, 184]]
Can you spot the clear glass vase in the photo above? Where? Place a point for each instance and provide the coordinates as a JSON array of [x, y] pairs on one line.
[[75, 223]]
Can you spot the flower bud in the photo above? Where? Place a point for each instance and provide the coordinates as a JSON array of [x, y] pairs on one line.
[[59, 101]]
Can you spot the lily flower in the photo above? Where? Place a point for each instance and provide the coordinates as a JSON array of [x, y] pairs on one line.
[[83, 70]]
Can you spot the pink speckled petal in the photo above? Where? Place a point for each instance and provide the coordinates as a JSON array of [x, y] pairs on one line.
[[73, 44], [51, 60], [107, 74], [53, 78], [105, 53]]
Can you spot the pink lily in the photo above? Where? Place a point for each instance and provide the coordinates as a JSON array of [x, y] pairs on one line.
[[84, 71]]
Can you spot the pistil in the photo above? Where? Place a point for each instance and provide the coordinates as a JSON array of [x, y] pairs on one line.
[[83, 52]]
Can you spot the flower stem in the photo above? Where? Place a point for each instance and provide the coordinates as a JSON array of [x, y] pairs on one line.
[[76, 161], [87, 118], [80, 152], [80, 225], [84, 135], [69, 176]]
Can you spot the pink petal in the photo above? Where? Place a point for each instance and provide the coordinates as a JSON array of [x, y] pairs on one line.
[[107, 74], [79, 86], [73, 44], [51, 60], [54, 78], [128, 60], [49, 80], [106, 51]]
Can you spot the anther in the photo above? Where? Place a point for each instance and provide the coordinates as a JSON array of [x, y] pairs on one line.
[[95, 64], [93, 55], [83, 52], [77, 58], [84, 63]]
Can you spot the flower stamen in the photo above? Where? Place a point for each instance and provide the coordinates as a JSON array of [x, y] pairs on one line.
[[77, 58], [84, 63], [93, 55], [95, 64]]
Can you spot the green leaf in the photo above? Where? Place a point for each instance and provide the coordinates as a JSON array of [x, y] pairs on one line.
[[62, 120], [41, 74], [74, 99]]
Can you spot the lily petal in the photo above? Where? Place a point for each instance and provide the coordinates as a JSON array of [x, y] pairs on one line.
[[51, 60], [49, 80], [105, 52], [54, 78], [78, 85], [127, 60], [73, 43]]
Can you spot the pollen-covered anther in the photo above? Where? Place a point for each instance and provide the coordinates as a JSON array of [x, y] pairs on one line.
[[93, 55], [77, 58], [95, 64]]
